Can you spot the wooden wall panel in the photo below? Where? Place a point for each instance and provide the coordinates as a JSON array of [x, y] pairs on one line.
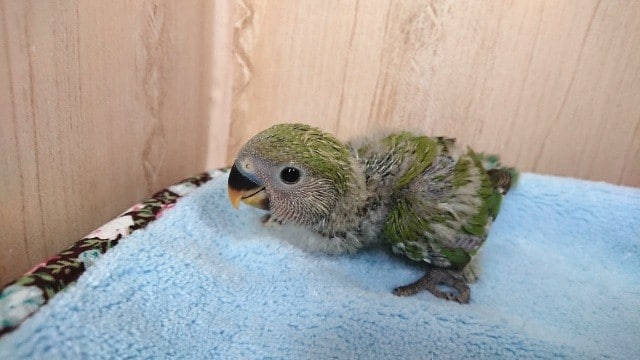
[[553, 86], [102, 104]]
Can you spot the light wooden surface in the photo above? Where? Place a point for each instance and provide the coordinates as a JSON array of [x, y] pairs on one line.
[[103, 103], [552, 86]]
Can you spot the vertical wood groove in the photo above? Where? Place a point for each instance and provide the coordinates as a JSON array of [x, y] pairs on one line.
[[34, 136], [152, 38], [525, 82], [346, 66], [568, 90], [241, 29]]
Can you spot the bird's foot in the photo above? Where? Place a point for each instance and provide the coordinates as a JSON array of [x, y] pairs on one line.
[[431, 281]]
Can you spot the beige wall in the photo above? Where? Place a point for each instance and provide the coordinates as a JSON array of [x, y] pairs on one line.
[[104, 103], [553, 86]]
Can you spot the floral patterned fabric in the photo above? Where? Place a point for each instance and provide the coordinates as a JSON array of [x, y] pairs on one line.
[[24, 296]]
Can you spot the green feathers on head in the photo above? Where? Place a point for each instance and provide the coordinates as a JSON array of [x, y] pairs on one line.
[[299, 144]]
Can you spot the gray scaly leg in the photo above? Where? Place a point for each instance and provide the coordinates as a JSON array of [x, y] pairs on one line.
[[430, 282]]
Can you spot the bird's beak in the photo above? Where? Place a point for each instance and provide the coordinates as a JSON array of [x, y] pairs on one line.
[[246, 188]]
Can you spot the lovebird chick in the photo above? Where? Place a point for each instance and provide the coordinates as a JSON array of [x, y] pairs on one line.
[[430, 200]]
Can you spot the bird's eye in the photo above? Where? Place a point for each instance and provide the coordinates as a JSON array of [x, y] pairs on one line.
[[290, 175]]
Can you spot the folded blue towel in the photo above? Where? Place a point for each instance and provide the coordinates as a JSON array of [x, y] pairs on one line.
[[560, 279]]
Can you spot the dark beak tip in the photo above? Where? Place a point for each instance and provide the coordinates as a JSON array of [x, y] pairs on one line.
[[239, 181]]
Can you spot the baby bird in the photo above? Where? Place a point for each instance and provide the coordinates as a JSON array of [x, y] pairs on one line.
[[429, 199]]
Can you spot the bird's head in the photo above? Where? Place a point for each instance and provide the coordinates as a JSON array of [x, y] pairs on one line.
[[296, 171]]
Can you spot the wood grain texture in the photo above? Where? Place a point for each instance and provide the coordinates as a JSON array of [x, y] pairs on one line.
[[103, 103], [552, 86]]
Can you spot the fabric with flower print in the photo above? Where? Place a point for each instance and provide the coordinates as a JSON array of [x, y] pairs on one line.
[[17, 302]]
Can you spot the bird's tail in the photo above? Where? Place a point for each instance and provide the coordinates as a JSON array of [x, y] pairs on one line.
[[502, 178]]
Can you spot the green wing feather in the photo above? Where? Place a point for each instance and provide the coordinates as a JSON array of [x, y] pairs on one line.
[[412, 224], [422, 148]]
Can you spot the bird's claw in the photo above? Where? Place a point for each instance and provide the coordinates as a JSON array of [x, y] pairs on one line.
[[430, 282]]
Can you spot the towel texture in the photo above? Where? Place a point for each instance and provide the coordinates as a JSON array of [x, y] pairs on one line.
[[560, 279]]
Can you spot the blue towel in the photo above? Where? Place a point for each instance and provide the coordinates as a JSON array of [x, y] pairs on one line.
[[560, 279]]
